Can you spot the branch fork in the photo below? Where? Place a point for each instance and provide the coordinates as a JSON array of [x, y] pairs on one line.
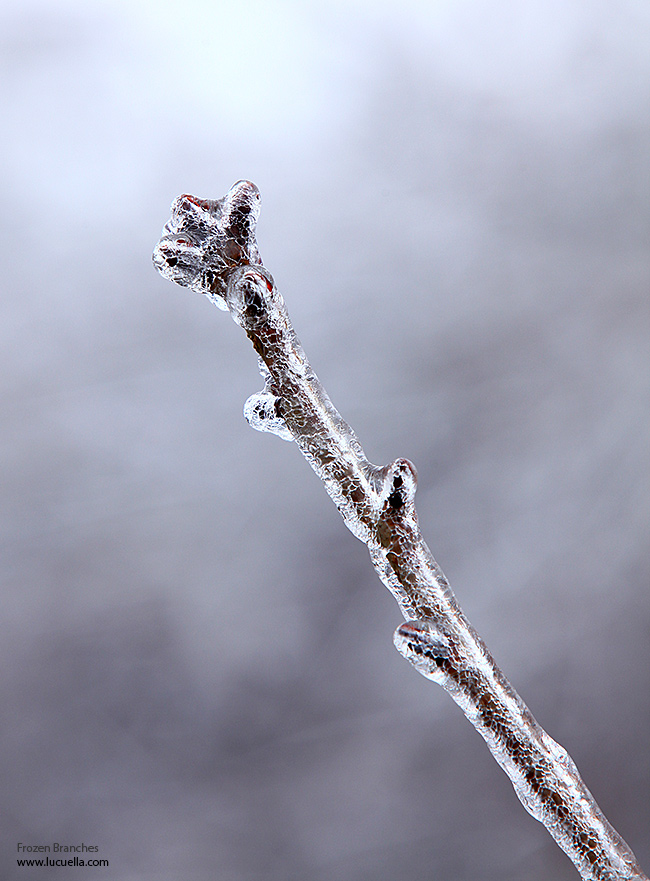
[[210, 247]]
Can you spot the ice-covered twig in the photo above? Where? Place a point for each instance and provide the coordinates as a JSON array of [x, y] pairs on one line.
[[209, 246]]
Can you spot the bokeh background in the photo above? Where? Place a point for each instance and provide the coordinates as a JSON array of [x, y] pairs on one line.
[[197, 671]]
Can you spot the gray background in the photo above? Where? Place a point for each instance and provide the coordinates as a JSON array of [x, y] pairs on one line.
[[197, 668]]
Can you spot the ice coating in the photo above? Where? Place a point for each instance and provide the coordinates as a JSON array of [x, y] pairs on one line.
[[543, 775], [424, 646], [204, 239], [262, 413], [209, 246]]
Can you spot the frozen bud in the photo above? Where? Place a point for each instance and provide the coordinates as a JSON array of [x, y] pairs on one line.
[[397, 484], [240, 210], [423, 645], [262, 412], [189, 213], [204, 240], [179, 257], [249, 295]]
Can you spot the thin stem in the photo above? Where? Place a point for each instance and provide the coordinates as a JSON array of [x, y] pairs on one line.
[[210, 247]]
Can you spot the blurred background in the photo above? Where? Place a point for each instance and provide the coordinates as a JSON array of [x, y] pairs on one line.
[[197, 665]]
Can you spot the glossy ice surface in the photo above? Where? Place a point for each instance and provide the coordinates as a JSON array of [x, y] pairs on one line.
[[209, 246]]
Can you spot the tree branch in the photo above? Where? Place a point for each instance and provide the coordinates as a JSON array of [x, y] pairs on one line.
[[209, 246]]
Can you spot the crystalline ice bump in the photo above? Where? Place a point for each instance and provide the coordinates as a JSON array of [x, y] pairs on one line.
[[261, 413], [423, 645]]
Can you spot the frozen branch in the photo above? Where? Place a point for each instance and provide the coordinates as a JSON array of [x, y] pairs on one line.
[[209, 246]]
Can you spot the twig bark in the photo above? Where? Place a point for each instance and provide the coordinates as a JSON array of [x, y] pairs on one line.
[[209, 246]]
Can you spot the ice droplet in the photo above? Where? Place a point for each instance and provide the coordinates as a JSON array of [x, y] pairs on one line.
[[261, 413]]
